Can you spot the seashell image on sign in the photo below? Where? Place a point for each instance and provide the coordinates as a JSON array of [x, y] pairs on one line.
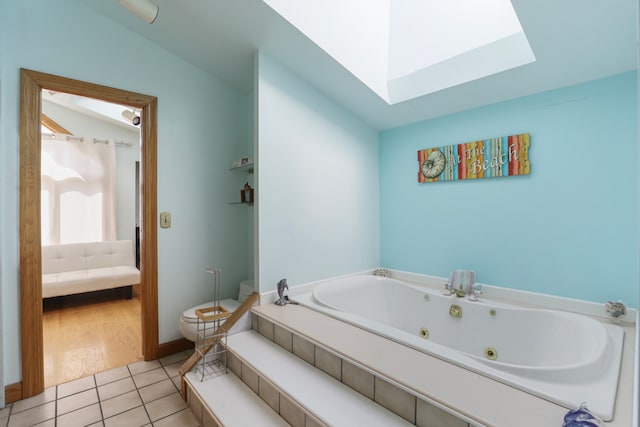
[[505, 156]]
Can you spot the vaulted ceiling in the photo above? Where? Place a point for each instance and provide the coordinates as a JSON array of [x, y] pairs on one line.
[[573, 41]]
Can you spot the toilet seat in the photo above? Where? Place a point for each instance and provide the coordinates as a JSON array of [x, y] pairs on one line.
[[189, 315], [189, 321]]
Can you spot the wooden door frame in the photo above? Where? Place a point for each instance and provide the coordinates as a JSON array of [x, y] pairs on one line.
[[31, 85]]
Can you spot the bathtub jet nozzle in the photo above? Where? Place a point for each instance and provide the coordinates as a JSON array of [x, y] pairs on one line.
[[455, 311]]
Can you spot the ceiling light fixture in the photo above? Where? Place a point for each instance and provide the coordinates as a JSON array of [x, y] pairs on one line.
[[131, 117], [143, 9]]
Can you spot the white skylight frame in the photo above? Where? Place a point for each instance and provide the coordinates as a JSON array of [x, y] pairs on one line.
[[404, 49]]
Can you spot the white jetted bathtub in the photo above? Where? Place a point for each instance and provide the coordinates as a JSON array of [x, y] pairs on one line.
[[562, 357]]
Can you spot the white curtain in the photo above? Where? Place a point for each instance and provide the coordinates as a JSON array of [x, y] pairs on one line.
[[77, 190]]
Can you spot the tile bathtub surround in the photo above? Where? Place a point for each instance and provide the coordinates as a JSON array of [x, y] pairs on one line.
[[282, 404], [329, 363], [266, 328], [395, 399], [386, 394], [140, 394]]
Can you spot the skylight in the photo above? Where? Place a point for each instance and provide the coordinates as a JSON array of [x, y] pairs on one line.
[[404, 49]]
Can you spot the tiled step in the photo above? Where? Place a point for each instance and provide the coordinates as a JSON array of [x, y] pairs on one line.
[[301, 393], [226, 400], [365, 378]]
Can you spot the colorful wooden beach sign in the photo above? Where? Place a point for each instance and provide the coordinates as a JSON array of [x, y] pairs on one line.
[[505, 156]]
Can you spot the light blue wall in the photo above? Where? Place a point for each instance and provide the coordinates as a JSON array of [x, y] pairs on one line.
[[202, 127], [568, 229], [317, 182]]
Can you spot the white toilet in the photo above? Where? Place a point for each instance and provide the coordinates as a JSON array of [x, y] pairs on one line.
[[188, 320]]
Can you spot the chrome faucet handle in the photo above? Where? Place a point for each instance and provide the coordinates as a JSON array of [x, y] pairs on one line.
[[616, 310], [447, 289], [476, 290]]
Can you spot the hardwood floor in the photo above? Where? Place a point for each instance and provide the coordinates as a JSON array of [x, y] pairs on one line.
[[90, 333]]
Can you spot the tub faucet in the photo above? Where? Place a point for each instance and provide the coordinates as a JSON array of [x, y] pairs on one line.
[[450, 290], [461, 282], [382, 272], [476, 290], [616, 310]]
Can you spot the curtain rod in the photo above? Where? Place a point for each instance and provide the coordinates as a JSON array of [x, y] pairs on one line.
[[54, 136]]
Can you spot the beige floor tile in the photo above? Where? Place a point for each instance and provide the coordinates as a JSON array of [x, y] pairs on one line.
[[116, 388], [143, 366], [77, 401], [177, 381], [33, 416], [150, 377], [112, 375], [49, 395], [48, 423], [4, 412], [175, 358], [120, 404], [165, 406], [156, 391], [183, 418], [76, 386], [172, 369], [134, 418], [81, 417]]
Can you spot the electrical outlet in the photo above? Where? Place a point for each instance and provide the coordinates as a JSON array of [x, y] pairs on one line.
[[165, 219]]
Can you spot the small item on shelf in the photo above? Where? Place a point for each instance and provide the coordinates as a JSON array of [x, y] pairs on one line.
[[244, 161], [283, 298], [246, 194], [581, 417]]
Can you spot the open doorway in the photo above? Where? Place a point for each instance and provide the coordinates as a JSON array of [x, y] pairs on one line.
[[31, 307], [90, 156]]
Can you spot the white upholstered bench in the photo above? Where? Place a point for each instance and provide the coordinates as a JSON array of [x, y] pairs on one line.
[[75, 268]]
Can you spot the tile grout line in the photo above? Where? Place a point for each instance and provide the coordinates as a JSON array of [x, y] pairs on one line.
[[95, 382], [144, 406], [95, 387], [55, 409]]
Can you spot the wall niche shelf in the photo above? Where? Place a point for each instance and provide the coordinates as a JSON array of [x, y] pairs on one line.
[[248, 168]]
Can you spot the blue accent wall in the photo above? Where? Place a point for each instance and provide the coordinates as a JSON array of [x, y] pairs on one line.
[[570, 228]]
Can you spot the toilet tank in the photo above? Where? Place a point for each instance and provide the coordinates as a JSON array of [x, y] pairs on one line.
[[246, 289]]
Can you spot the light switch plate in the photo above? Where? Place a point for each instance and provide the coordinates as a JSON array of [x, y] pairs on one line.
[[165, 219]]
